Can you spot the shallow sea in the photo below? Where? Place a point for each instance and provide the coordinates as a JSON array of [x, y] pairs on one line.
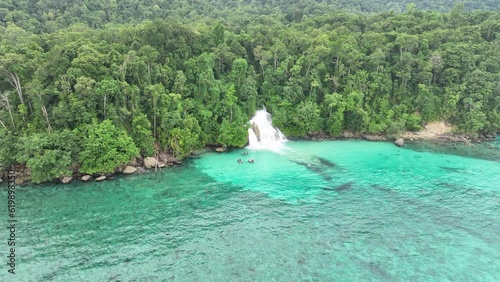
[[317, 211]]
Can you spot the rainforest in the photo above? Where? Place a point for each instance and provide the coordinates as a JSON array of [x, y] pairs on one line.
[[85, 86]]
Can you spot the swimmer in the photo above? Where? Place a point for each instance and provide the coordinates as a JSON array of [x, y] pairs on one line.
[[240, 161], [250, 161]]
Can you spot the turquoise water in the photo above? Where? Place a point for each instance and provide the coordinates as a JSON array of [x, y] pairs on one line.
[[321, 211]]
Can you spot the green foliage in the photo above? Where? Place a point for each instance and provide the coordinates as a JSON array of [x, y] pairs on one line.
[[105, 147], [413, 122], [306, 119], [8, 148], [48, 155], [183, 141], [142, 135], [195, 75], [233, 134]]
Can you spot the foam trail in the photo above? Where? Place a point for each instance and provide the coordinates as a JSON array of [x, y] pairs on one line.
[[262, 135]]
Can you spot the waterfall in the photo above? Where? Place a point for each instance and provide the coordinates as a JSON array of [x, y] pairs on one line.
[[262, 135]]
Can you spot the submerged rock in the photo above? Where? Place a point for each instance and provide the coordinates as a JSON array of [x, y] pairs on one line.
[[67, 179], [100, 178], [150, 162], [86, 177], [19, 181], [325, 162], [399, 142], [344, 186], [129, 170]]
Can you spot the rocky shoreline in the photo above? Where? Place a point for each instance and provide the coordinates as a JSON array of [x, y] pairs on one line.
[[411, 136], [162, 160], [437, 132], [136, 165]]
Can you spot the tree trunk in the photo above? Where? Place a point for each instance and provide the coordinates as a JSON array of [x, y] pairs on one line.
[[45, 114], [154, 117], [6, 100], [44, 110], [275, 59], [16, 84], [105, 96]]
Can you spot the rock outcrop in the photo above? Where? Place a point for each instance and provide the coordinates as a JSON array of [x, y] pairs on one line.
[[399, 142], [133, 162], [256, 130], [348, 134], [86, 177], [129, 170], [67, 179], [150, 162], [374, 137]]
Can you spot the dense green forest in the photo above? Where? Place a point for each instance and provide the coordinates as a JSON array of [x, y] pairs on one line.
[[81, 90], [50, 15]]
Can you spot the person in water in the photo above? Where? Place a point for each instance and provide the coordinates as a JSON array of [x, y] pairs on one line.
[[244, 153], [240, 161], [250, 160]]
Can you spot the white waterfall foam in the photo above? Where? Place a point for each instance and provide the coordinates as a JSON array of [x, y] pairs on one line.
[[262, 135]]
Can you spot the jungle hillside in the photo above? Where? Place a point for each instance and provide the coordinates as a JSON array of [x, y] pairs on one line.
[[88, 85]]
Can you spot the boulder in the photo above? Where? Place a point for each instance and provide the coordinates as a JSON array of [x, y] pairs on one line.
[[86, 177], [100, 178], [1, 180], [399, 142], [220, 149], [150, 162], [129, 170], [67, 179]]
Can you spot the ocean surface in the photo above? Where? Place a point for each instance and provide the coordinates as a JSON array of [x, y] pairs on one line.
[[316, 211]]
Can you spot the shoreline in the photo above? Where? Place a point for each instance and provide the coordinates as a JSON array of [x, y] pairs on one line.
[[140, 165]]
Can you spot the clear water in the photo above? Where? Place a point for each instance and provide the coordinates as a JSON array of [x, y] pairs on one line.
[[365, 212]]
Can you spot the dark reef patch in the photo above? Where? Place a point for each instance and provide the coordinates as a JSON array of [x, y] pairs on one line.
[[453, 169], [340, 188], [345, 186], [326, 162]]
